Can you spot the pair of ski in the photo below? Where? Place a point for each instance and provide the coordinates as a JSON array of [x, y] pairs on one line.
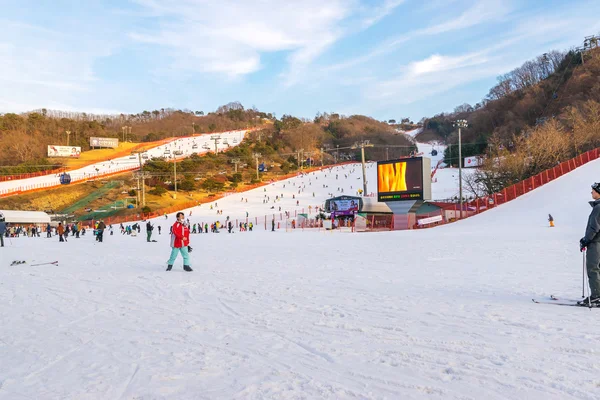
[[564, 302], [19, 262]]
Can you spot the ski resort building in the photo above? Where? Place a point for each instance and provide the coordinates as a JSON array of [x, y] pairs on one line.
[[24, 217]]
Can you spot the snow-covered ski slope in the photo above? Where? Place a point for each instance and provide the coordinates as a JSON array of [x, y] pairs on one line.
[[187, 146], [298, 193], [442, 313]]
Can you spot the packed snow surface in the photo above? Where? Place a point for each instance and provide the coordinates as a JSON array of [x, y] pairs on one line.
[[442, 313], [307, 192]]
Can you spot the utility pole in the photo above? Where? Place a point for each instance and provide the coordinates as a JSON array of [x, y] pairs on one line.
[[337, 157], [256, 156], [362, 145], [216, 138], [68, 134], [322, 156], [126, 130], [235, 161], [461, 123], [299, 159], [175, 174], [193, 127], [141, 174], [387, 153]]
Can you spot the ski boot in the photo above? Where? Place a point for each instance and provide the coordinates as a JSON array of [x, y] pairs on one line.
[[593, 301], [169, 267], [187, 268]]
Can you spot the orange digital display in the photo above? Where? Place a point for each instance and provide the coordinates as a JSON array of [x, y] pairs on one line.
[[391, 177], [400, 179]]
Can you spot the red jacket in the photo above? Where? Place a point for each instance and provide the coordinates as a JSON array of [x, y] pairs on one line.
[[180, 236]]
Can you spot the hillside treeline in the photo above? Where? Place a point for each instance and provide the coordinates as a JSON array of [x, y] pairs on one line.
[[531, 95], [25, 137], [540, 114]]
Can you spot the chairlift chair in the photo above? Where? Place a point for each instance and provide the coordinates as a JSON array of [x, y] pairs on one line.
[[65, 178]]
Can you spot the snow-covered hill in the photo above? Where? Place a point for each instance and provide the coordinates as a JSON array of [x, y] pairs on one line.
[[442, 313], [307, 192], [178, 148]]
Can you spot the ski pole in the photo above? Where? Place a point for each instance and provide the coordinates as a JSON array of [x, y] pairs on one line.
[[583, 275]]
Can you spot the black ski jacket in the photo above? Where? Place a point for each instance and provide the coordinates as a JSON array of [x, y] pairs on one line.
[[592, 231]]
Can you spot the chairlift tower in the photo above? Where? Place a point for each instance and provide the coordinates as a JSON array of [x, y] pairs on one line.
[[257, 156], [235, 161], [216, 139]]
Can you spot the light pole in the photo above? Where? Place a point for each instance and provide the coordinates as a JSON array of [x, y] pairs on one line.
[[362, 145], [461, 123], [68, 134], [256, 156]]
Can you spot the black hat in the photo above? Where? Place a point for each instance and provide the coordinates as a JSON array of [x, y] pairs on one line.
[[596, 187]]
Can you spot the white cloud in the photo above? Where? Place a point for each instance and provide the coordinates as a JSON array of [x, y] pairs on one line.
[[483, 11], [229, 36], [437, 63]]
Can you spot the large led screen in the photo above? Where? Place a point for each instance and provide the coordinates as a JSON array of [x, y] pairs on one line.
[[400, 179]]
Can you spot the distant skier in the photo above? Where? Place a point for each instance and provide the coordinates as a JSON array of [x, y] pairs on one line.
[[591, 242], [551, 220], [101, 228], [180, 240], [2, 231], [159, 228], [60, 230], [149, 229]]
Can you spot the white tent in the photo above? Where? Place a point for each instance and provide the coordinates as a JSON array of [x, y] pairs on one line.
[[24, 217]]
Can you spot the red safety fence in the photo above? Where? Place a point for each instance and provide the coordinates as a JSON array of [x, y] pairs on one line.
[[451, 212]]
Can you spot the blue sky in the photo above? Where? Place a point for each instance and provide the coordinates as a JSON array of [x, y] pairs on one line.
[[383, 58]]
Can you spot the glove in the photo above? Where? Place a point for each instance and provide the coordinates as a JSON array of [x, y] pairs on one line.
[[583, 244], [190, 249]]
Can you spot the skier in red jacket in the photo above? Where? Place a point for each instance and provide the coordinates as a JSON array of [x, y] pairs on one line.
[[180, 240]]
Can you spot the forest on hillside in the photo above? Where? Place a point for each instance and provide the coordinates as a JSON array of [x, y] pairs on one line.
[[538, 115]]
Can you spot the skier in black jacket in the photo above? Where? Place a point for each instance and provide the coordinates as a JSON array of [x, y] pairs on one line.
[[591, 242]]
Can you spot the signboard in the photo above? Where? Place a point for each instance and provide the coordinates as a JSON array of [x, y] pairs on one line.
[[64, 151], [104, 142], [475, 161], [430, 220], [404, 179], [343, 206]]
